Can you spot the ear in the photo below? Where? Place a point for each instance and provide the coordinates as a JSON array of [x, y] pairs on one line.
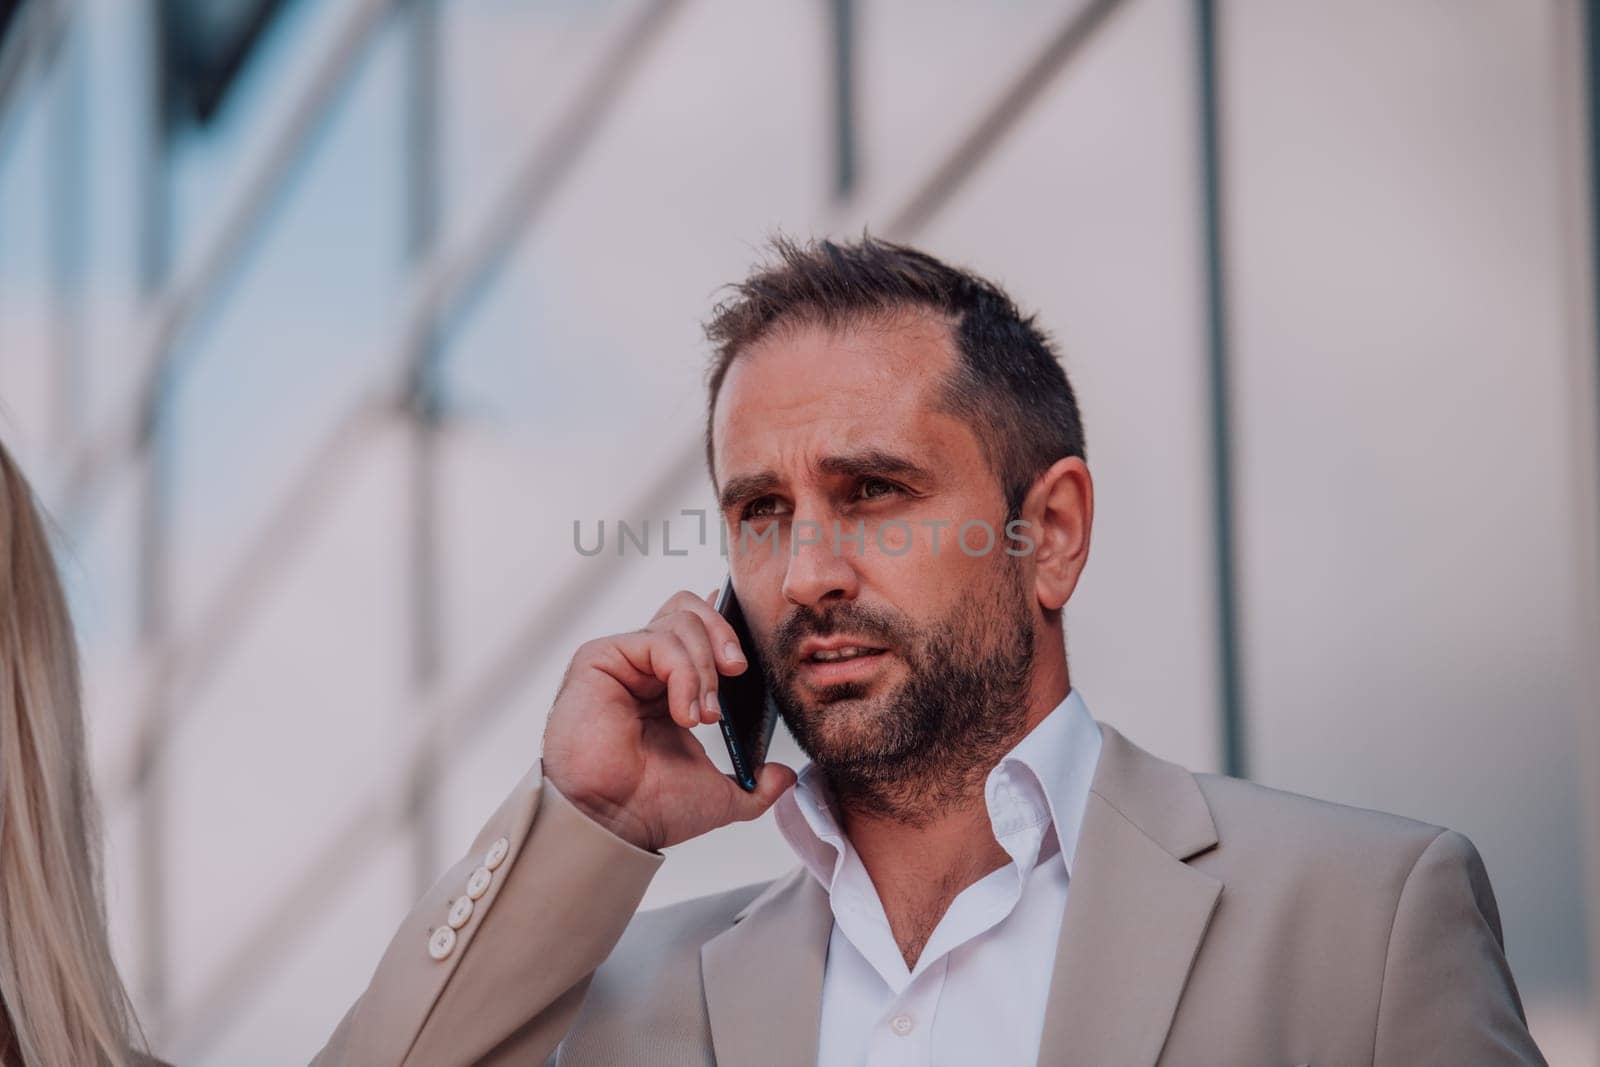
[[1059, 509]]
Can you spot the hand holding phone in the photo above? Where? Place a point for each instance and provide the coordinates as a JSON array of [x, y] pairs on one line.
[[617, 743]]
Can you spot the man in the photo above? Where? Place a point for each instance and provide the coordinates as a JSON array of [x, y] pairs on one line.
[[987, 875]]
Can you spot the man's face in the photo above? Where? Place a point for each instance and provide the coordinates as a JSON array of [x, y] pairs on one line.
[[836, 473]]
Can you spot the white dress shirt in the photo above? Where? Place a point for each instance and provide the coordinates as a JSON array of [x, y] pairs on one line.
[[979, 990]]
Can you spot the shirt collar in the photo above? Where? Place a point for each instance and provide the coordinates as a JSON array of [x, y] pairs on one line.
[[1043, 781]]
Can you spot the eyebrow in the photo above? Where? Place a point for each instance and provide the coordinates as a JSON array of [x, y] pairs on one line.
[[870, 462]]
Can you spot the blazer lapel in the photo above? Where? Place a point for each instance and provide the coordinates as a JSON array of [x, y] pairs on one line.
[[763, 976], [1136, 912]]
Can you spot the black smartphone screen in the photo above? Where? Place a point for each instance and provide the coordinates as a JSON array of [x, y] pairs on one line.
[[748, 712]]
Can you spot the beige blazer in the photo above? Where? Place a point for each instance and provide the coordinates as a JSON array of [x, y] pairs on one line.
[[1208, 921]]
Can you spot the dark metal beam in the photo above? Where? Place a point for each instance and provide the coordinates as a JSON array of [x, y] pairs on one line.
[[423, 404], [1589, 13], [1235, 755], [154, 559], [1591, 36], [842, 19]]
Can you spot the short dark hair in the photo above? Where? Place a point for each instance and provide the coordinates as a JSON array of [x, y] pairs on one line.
[[1008, 382]]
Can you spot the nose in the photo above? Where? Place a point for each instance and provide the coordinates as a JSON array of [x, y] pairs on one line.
[[818, 570]]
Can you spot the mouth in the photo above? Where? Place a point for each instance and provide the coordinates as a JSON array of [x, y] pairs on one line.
[[833, 662]]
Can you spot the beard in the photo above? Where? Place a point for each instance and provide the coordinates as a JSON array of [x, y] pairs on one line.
[[911, 753]]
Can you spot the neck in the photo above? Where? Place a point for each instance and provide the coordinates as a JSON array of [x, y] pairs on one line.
[[919, 866]]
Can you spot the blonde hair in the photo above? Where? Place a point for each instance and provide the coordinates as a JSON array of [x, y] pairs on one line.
[[59, 988]]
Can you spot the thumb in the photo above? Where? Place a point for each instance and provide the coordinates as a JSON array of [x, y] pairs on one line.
[[772, 781]]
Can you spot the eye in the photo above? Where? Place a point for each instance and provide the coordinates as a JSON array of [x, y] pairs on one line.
[[876, 488], [760, 508]]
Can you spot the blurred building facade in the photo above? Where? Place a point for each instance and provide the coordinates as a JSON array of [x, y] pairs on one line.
[[323, 322]]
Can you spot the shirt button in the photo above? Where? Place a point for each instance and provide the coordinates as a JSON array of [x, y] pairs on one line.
[[478, 884], [442, 941], [902, 1024], [497, 853], [460, 912]]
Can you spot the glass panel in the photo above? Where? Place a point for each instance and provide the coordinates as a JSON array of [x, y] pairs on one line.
[[290, 720], [1401, 347]]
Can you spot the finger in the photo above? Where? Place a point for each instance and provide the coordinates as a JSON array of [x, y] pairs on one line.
[[730, 656], [624, 658], [691, 629], [772, 780], [664, 656], [680, 600]]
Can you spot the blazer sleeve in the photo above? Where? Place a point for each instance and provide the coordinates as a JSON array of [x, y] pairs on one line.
[[1447, 994], [555, 905]]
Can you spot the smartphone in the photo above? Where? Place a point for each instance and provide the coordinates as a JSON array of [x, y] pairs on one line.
[[749, 714]]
